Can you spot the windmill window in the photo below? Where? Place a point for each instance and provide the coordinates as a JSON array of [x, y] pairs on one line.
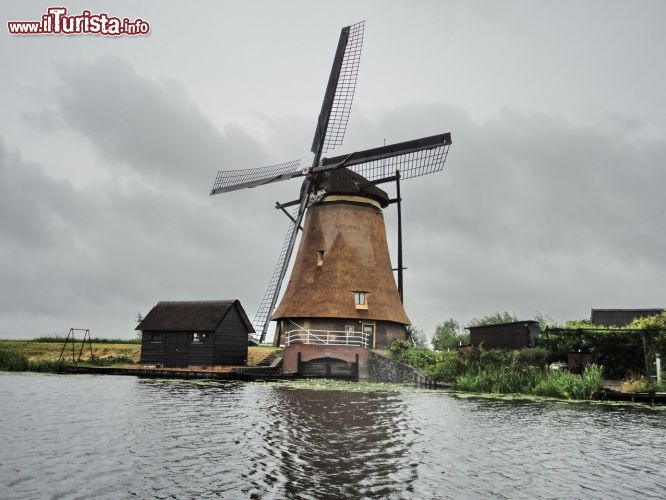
[[320, 258], [360, 299], [156, 337]]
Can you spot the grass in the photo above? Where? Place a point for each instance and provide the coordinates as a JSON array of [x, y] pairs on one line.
[[37, 351], [61, 339], [256, 354]]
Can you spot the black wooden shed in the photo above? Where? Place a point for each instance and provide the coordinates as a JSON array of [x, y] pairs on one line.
[[189, 333], [514, 335], [619, 317]]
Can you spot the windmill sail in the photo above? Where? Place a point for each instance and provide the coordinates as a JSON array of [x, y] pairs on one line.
[[339, 95], [413, 158], [330, 130], [263, 316], [233, 180]]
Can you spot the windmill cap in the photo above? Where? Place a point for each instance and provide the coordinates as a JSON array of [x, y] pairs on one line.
[[346, 182]]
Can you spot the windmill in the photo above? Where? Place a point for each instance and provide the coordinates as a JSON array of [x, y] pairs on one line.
[[343, 233]]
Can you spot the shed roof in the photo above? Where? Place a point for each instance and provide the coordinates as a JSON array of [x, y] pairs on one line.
[[512, 323], [620, 317], [191, 316]]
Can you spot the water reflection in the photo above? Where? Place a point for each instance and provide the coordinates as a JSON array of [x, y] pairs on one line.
[[337, 444]]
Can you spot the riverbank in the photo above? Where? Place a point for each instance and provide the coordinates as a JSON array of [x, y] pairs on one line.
[[525, 371], [38, 353], [119, 358]]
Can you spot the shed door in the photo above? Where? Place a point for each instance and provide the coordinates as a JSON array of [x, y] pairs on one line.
[[181, 354]]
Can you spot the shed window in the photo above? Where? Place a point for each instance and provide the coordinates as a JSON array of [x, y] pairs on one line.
[[360, 299], [156, 337], [199, 338]]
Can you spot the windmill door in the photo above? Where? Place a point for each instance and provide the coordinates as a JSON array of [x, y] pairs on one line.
[[369, 333]]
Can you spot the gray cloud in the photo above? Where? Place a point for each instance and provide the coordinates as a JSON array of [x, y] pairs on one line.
[[151, 127], [104, 252], [532, 213]]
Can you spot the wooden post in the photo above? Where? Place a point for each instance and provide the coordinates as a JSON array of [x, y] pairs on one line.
[[397, 187]]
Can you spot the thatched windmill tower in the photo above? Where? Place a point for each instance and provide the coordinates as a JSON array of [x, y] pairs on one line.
[[342, 282], [342, 298]]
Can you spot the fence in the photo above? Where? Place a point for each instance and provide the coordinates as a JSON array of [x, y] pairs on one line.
[[327, 337]]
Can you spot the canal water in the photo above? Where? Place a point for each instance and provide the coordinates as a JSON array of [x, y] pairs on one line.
[[122, 437]]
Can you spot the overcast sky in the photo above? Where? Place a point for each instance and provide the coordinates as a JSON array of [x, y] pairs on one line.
[[551, 201]]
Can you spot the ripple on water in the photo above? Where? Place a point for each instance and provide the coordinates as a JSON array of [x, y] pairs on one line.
[[120, 437]]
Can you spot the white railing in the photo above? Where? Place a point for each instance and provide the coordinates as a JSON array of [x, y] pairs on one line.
[[327, 337]]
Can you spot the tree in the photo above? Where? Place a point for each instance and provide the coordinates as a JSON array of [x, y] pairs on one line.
[[582, 324], [545, 321], [448, 335], [494, 319], [416, 338], [655, 322], [139, 319]]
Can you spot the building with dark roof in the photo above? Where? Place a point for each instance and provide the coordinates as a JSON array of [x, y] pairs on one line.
[[515, 335], [195, 333], [619, 317], [341, 299]]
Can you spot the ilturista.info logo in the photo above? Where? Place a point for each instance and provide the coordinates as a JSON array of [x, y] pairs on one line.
[[56, 22]]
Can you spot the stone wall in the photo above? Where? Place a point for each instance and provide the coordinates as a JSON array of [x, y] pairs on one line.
[[383, 369]]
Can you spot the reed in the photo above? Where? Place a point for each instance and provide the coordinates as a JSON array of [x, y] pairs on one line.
[[500, 380], [534, 381]]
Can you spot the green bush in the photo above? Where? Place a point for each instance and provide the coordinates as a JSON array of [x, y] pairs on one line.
[[531, 356], [446, 368], [495, 357], [398, 347], [12, 361], [420, 358]]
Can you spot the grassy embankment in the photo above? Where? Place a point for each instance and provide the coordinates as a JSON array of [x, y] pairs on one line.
[[43, 354], [501, 372]]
